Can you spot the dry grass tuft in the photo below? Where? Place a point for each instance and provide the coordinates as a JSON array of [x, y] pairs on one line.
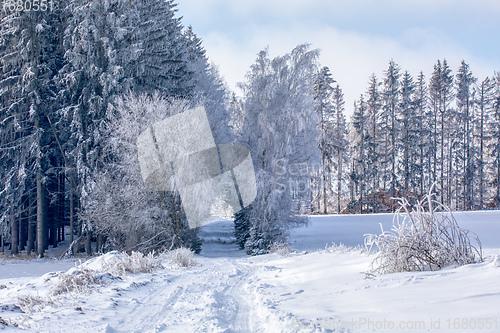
[[426, 237]]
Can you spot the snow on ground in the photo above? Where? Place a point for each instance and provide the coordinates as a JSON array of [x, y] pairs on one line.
[[227, 291]]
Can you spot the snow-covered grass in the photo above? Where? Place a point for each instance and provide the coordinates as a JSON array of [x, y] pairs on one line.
[[121, 263], [55, 288], [227, 291], [425, 237], [181, 257], [342, 248], [80, 281], [281, 248]]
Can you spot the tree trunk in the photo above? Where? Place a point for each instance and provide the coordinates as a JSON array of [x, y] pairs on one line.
[[88, 243], [23, 223], [71, 210], [481, 151], [339, 180], [441, 180], [61, 208], [324, 185], [449, 180], [14, 249], [40, 218], [31, 228], [100, 243], [53, 229]]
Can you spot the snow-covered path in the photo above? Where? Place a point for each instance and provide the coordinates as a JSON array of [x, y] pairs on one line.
[[208, 297]]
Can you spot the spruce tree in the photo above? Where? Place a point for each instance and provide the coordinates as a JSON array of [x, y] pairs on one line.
[[423, 126], [374, 105], [114, 48], [31, 54], [440, 89], [358, 145], [494, 145], [323, 93], [408, 132], [465, 81], [484, 102], [339, 141], [391, 97]]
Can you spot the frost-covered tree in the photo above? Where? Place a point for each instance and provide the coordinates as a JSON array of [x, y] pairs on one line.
[[30, 52], [441, 95], [464, 85], [323, 94], [60, 70], [423, 126], [236, 115], [374, 106], [113, 47], [408, 132], [119, 206], [484, 102], [339, 141], [360, 135], [494, 144], [391, 97], [280, 128]]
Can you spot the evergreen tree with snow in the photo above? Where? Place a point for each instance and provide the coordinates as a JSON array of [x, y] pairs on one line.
[[114, 47], [423, 127], [31, 54], [208, 88], [374, 106], [408, 133], [323, 93], [441, 94], [484, 102], [465, 84], [494, 144], [339, 141], [391, 97], [360, 136]]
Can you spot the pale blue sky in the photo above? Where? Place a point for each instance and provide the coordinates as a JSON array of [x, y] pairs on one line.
[[356, 37]]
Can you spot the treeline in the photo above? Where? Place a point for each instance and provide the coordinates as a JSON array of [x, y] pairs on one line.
[[409, 133], [61, 73], [80, 82]]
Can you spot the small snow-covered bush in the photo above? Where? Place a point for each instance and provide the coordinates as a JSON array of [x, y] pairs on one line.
[[32, 303], [425, 237], [182, 257], [281, 248], [80, 281], [121, 263], [342, 248]]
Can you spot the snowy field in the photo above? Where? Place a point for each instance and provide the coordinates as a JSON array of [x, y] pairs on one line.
[[227, 291]]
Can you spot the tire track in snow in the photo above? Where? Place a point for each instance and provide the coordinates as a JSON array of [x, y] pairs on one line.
[[198, 299], [233, 311]]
